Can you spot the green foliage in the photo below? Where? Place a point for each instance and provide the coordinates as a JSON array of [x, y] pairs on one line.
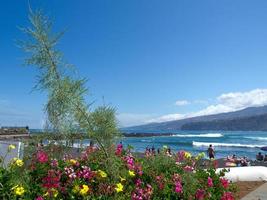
[[104, 128], [151, 177], [66, 109]]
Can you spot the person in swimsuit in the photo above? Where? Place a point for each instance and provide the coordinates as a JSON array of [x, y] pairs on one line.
[[211, 152]]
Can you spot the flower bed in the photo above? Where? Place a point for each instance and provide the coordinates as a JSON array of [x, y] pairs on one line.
[[120, 176]]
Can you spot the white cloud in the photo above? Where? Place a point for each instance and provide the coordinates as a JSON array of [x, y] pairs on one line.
[[239, 100], [168, 117], [182, 102], [234, 101], [228, 102], [132, 119]]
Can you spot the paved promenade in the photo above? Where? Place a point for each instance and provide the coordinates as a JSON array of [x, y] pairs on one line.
[[259, 194]]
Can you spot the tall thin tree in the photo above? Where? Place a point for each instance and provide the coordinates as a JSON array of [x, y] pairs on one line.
[[66, 107]]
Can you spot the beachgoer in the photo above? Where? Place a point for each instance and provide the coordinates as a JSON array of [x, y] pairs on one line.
[[244, 161], [232, 158], [211, 152], [153, 150], [147, 152], [259, 157], [168, 152], [158, 150], [265, 158]]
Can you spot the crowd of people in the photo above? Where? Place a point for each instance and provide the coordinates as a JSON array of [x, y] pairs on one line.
[[152, 151], [242, 161], [232, 160]]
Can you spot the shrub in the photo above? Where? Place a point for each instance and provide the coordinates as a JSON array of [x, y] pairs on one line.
[[90, 176]]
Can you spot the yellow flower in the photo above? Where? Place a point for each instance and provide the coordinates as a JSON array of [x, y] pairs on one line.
[[119, 187], [11, 147], [122, 179], [200, 155], [131, 173], [18, 162], [73, 161], [84, 190], [76, 189], [18, 190], [52, 191], [55, 192], [102, 173], [187, 155]]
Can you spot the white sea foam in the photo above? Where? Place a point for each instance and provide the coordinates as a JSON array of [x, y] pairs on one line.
[[226, 144], [257, 138], [146, 140], [211, 135]]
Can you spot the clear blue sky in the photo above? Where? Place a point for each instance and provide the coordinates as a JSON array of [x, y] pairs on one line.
[[142, 56]]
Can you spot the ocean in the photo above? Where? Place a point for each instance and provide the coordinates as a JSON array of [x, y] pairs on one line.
[[240, 143]]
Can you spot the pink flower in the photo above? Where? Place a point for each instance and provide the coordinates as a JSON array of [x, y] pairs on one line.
[[130, 162], [85, 173], [160, 182], [138, 182], [181, 156], [178, 187], [142, 193], [42, 157], [138, 169], [227, 196], [119, 149], [54, 163], [224, 182], [200, 194], [84, 156], [176, 178], [52, 180], [210, 182], [39, 198], [188, 168], [148, 191]]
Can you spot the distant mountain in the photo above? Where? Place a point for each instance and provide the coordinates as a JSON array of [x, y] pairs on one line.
[[184, 123], [253, 123]]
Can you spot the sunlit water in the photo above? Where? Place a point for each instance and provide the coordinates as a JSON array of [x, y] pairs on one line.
[[241, 143]]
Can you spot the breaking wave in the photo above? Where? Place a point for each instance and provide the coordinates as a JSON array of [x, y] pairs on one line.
[[146, 141], [226, 144], [211, 135], [257, 138]]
